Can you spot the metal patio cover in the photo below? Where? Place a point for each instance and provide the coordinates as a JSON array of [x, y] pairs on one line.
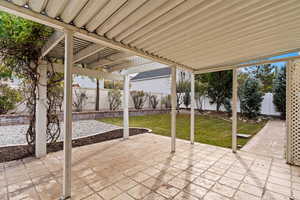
[[193, 34]]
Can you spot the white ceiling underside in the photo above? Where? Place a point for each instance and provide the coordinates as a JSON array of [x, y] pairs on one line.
[[195, 34]]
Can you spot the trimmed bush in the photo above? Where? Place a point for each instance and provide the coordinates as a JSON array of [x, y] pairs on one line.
[[139, 98], [114, 99], [153, 101]]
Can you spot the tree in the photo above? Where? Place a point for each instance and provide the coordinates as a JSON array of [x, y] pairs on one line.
[[264, 73], [219, 86], [251, 96], [200, 93], [279, 92], [97, 100]]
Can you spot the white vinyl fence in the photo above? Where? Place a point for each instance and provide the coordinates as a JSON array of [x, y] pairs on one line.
[[267, 108]]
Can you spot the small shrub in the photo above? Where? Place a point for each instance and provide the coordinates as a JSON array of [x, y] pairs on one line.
[[114, 99], [9, 97], [80, 100], [139, 98], [279, 93], [166, 101], [251, 97], [153, 100]]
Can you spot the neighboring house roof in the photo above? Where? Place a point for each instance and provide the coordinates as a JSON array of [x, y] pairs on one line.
[[157, 73]]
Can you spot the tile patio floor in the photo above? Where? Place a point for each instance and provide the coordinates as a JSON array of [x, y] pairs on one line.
[[143, 168]]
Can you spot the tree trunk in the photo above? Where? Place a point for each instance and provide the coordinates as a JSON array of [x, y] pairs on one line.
[[218, 106], [97, 96]]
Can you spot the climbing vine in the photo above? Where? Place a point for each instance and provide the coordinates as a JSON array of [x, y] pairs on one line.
[[21, 42]]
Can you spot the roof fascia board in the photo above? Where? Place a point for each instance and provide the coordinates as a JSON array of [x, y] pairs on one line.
[[88, 72]]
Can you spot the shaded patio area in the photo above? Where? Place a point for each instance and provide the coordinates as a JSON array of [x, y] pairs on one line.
[[142, 167]]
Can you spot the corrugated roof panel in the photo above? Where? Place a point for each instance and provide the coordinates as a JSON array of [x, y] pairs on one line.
[[37, 5], [111, 7], [89, 11], [140, 13], [195, 34], [127, 8], [20, 2], [72, 9], [171, 4], [55, 7]]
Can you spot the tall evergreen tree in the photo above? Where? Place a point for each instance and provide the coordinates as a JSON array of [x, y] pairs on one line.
[[279, 92], [219, 86], [251, 97]]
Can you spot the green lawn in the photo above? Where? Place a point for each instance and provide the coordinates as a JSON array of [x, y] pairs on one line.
[[208, 129]]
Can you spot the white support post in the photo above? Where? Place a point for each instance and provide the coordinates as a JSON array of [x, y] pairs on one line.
[[125, 107], [173, 108], [234, 110], [41, 113], [192, 128], [68, 114]]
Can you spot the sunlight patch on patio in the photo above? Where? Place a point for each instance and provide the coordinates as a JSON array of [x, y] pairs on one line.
[[142, 167]]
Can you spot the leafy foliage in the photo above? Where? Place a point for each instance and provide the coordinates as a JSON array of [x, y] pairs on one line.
[[9, 97], [219, 86], [279, 92], [5, 72], [251, 97], [114, 99], [139, 98], [153, 101], [109, 84], [264, 73], [200, 93], [21, 42]]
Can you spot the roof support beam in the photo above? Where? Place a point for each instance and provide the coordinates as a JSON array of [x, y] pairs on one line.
[[143, 68], [90, 50], [83, 34], [110, 60], [126, 65], [54, 39], [89, 72]]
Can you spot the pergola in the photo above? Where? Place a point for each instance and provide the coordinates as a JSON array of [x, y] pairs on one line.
[[112, 38]]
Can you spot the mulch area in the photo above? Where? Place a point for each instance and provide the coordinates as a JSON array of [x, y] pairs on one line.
[[11, 153]]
